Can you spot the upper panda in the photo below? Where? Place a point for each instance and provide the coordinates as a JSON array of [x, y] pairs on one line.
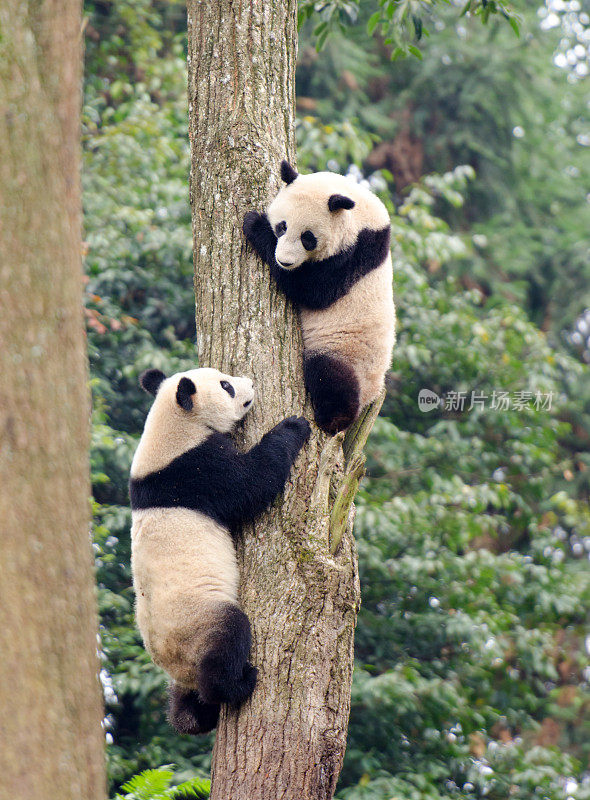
[[326, 240], [190, 488]]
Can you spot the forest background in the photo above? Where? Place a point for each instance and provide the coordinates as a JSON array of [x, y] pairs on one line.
[[473, 530]]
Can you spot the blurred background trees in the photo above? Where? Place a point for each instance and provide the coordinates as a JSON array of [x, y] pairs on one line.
[[472, 675]]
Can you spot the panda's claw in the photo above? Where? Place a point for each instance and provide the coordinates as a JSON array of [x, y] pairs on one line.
[[298, 423], [334, 424]]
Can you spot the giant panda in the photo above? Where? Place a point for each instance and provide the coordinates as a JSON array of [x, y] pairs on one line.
[[190, 489], [326, 240]]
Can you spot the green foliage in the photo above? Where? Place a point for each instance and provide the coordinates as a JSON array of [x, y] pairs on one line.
[[401, 23], [154, 784], [473, 527], [484, 98], [470, 636], [335, 147]]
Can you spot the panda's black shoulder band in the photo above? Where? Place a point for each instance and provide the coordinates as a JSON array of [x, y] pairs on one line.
[[318, 284], [219, 481]]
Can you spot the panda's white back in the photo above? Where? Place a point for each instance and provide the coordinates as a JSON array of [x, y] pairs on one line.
[[184, 564]]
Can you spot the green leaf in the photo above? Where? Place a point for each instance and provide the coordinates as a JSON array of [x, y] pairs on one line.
[[149, 784], [195, 789], [373, 22], [514, 25]]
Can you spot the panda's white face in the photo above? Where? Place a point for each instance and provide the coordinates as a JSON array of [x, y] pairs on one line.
[[207, 397], [302, 219], [188, 407]]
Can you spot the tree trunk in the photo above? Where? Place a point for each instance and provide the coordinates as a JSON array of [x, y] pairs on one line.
[[299, 582], [51, 743]]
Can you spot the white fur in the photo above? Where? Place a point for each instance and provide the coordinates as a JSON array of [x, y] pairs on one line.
[[360, 328], [303, 205], [184, 565]]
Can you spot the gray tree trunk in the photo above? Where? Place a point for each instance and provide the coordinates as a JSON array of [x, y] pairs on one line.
[[51, 742], [299, 582]]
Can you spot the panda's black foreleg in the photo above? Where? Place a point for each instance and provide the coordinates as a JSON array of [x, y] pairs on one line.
[[334, 390], [188, 713], [264, 470], [258, 231], [225, 675]]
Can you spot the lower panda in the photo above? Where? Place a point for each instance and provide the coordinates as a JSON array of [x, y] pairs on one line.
[[190, 489], [326, 241]]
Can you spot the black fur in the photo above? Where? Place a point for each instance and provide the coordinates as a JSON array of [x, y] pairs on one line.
[[308, 240], [227, 387], [188, 713], [334, 391], [218, 480], [339, 201], [224, 674], [258, 231], [184, 393], [318, 284], [151, 379], [288, 174]]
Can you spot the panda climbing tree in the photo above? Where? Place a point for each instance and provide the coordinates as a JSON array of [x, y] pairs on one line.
[[299, 581]]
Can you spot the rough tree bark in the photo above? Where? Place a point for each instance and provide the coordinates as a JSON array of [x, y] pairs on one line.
[[51, 742], [298, 563]]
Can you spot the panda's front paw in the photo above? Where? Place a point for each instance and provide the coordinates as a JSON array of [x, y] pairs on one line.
[[293, 433], [252, 220], [298, 424]]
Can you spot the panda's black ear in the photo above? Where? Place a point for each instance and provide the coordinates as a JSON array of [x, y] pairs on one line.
[[288, 174], [338, 201], [184, 393], [151, 379]]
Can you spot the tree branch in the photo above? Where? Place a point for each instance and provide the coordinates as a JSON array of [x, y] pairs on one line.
[[354, 468]]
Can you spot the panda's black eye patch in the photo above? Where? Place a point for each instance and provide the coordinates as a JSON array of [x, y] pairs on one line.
[[228, 388], [308, 240], [281, 228]]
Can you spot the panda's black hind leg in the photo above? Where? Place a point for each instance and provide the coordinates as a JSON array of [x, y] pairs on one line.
[[188, 713], [225, 674], [334, 390]]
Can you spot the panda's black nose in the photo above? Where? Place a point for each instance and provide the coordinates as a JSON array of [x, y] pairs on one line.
[[285, 263], [247, 403]]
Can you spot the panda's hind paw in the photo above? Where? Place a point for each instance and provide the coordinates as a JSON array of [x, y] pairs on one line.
[[248, 682], [333, 424], [189, 714], [334, 391]]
